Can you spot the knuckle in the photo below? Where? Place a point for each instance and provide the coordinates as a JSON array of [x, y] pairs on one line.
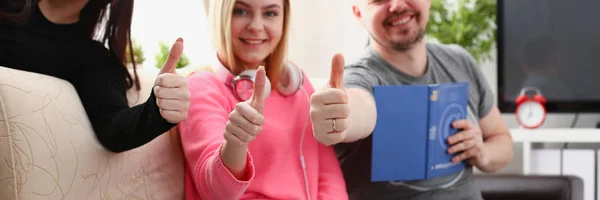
[[340, 125], [472, 152], [315, 97], [248, 137], [243, 137], [228, 126], [453, 149], [472, 133], [337, 95], [161, 79], [256, 130], [183, 116], [185, 106], [159, 102], [313, 113], [169, 117], [187, 95], [226, 136], [259, 130], [239, 105], [346, 110], [341, 95], [260, 120], [157, 90], [468, 144]]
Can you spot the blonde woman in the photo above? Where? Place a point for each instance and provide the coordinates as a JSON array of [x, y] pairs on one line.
[[245, 139]]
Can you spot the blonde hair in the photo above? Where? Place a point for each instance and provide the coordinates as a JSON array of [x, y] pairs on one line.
[[219, 14]]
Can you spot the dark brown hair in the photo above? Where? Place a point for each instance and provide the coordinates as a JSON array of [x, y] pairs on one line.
[[116, 31]]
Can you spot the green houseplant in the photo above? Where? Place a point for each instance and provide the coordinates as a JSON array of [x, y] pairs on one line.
[[468, 23], [163, 54], [138, 53]]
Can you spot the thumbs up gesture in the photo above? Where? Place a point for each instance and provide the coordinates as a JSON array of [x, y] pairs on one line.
[[246, 119], [329, 107], [170, 88]]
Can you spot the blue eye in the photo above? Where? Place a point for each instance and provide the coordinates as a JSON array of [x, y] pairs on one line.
[[239, 12], [271, 14]]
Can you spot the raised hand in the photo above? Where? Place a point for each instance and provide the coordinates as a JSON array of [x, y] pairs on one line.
[[170, 88], [329, 107], [246, 119]]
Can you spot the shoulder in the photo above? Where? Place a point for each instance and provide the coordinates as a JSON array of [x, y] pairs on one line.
[[454, 58], [100, 65], [101, 59], [366, 66], [366, 71], [209, 93], [364, 63], [452, 52], [204, 82]]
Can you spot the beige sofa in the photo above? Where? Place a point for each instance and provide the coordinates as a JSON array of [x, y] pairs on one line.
[[48, 149]]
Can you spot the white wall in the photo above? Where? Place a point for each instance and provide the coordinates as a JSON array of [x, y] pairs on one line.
[[319, 30], [154, 21]]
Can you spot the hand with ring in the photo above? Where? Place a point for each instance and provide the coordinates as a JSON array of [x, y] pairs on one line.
[[329, 107]]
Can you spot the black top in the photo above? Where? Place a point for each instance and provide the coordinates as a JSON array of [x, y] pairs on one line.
[[66, 52]]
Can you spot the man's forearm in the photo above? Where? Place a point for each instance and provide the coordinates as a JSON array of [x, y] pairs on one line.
[[499, 151], [363, 114]]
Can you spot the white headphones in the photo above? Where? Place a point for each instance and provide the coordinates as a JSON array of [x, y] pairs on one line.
[[242, 86]]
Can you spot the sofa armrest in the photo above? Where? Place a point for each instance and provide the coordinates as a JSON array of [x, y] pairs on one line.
[[517, 187], [48, 149]]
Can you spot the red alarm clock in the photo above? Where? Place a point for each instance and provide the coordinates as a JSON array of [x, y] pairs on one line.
[[531, 110]]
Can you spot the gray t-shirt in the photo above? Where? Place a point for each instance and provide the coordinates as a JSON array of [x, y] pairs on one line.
[[445, 63]]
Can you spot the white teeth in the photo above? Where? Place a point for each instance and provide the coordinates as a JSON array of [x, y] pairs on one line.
[[401, 21], [253, 41]]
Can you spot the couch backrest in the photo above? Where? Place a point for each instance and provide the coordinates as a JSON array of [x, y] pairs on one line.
[[48, 149]]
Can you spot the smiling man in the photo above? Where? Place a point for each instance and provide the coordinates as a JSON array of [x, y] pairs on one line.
[[398, 54]]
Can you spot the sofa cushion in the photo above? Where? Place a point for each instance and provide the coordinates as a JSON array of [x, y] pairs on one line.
[[48, 149]]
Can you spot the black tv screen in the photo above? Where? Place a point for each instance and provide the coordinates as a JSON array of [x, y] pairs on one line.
[[552, 45]]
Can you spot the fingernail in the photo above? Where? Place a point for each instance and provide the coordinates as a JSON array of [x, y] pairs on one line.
[[180, 40]]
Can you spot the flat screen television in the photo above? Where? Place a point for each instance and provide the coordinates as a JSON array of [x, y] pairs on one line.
[[554, 46]]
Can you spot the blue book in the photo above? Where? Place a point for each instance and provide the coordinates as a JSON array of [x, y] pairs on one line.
[[413, 124]]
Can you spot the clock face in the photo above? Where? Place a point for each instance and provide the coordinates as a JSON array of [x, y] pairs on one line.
[[530, 113]]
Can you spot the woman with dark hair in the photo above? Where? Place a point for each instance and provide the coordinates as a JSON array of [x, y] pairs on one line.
[[84, 42]]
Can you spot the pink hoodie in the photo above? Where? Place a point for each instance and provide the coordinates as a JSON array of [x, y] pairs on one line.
[[274, 169]]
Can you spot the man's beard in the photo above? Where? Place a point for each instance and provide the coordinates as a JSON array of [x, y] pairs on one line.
[[403, 46]]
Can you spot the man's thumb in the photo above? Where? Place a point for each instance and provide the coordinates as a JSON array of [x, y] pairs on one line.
[[258, 96], [174, 55], [337, 71]]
